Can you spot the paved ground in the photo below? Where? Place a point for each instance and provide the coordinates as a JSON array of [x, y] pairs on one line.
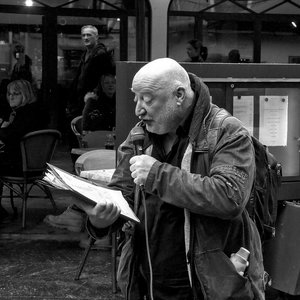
[[40, 262]]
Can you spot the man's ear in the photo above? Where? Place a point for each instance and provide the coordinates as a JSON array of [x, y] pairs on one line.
[[180, 95]]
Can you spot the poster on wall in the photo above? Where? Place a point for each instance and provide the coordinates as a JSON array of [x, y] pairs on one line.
[[273, 112], [243, 110]]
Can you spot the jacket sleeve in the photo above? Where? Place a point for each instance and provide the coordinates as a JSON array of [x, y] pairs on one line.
[[87, 122], [223, 193]]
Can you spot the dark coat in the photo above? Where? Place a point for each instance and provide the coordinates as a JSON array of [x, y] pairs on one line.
[[99, 114], [22, 72], [30, 117], [88, 76]]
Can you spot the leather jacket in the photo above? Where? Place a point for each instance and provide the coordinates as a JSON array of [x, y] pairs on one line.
[[217, 223]]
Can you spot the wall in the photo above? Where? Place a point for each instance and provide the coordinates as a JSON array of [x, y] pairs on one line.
[[159, 28]]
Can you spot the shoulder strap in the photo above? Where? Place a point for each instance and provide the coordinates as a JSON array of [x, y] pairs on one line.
[[216, 122], [212, 137], [218, 118]]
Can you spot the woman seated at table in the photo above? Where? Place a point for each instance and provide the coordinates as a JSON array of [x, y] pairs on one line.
[[26, 115], [99, 112]]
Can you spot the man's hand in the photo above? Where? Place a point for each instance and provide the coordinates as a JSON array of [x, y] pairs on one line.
[[140, 168], [102, 215]]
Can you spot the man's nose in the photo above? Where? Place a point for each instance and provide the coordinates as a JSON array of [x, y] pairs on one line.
[[139, 110]]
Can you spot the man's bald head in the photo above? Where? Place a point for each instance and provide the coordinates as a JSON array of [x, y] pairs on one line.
[[164, 72], [163, 95]]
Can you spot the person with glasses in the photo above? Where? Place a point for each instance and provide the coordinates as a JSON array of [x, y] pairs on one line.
[[27, 114]]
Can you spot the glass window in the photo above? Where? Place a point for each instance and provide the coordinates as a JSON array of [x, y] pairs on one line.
[[70, 45], [220, 37], [181, 29], [288, 154], [237, 6], [280, 42], [27, 33], [277, 7], [210, 6]]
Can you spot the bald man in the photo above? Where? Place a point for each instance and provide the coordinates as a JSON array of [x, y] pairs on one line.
[[195, 211]]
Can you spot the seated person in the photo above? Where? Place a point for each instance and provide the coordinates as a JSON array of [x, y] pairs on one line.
[[99, 112], [26, 115], [234, 56], [196, 51]]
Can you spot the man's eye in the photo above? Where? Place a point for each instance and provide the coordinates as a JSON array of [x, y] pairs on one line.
[[147, 98]]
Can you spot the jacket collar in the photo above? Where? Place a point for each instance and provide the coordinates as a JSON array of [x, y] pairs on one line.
[[201, 110]]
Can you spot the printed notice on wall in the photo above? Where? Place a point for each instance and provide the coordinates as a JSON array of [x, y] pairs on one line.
[[243, 110], [273, 113]]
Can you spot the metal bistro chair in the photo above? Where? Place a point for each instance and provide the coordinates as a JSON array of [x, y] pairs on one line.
[[76, 126], [37, 149], [100, 159], [91, 141]]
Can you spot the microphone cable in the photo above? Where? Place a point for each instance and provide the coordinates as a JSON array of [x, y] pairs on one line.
[[147, 243]]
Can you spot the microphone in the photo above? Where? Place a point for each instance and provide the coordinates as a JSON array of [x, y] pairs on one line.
[[137, 136]]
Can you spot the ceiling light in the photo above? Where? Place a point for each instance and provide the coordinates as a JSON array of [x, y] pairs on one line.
[[294, 24], [28, 3]]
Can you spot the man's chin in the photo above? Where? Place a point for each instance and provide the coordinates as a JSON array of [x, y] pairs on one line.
[[158, 131]]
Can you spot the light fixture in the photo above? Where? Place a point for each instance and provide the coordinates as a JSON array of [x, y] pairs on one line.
[[294, 24], [28, 3]]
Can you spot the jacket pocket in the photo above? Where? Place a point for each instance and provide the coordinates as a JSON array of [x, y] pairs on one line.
[[219, 278]]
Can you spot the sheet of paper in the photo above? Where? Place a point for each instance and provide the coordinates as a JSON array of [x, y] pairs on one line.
[[243, 109], [96, 193], [104, 175], [273, 121]]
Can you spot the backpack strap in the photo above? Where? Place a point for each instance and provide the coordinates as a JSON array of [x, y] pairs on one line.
[[215, 123]]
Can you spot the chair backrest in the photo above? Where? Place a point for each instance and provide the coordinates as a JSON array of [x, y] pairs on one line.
[[96, 160], [98, 138], [76, 126], [37, 149], [92, 139]]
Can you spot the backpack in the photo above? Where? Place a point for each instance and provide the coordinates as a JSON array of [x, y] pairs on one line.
[[262, 205]]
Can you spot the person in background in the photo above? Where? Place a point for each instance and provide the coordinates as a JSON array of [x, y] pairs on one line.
[[22, 67], [27, 115], [5, 108], [196, 216], [99, 112], [234, 56], [196, 51], [95, 61]]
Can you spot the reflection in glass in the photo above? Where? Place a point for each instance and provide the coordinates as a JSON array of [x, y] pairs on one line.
[[220, 37], [27, 33], [280, 43], [236, 6]]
